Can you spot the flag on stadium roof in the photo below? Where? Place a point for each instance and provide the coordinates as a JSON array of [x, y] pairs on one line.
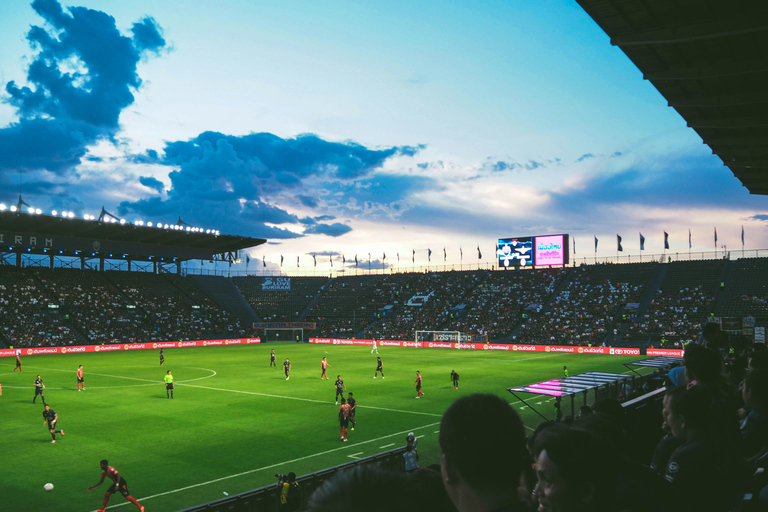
[[281, 260], [715, 237], [264, 260], [689, 238], [595, 244], [618, 243], [642, 242], [314, 258], [479, 254], [742, 235], [445, 255], [429, 254], [461, 253], [666, 240]]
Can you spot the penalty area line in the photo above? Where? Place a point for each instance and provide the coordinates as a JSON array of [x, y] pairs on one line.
[[299, 459]]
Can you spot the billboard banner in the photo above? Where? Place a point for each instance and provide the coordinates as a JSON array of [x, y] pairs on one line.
[[665, 352], [619, 351], [35, 351]]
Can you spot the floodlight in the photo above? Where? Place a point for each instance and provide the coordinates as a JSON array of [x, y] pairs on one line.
[[165, 226], [13, 208], [38, 211], [71, 215], [2, 207], [122, 221], [149, 224], [54, 213]]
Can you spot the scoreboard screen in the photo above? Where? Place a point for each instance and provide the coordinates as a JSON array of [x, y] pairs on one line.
[[515, 252], [533, 251]]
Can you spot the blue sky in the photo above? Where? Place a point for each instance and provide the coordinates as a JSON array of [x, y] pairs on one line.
[[355, 128]]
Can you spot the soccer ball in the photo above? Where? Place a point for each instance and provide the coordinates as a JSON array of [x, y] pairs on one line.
[[48, 487]]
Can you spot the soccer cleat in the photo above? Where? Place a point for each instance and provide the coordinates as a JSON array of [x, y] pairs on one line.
[[53, 441], [382, 376], [141, 508], [345, 439], [418, 397], [337, 403], [62, 432], [353, 428], [374, 376]]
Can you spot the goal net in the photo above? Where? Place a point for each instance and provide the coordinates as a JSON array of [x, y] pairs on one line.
[[283, 334]]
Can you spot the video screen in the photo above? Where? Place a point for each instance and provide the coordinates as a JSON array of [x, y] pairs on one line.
[[550, 250], [515, 252]]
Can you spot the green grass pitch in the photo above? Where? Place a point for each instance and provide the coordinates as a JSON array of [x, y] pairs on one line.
[[234, 421]]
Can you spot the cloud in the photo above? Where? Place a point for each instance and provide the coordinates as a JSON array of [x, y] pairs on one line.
[[234, 174], [335, 230], [78, 83], [759, 216], [152, 183], [585, 156]]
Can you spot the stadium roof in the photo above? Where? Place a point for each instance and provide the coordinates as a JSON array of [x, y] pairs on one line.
[[29, 231], [708, 58]]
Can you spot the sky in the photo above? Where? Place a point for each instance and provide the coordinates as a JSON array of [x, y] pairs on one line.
[[340, 128]]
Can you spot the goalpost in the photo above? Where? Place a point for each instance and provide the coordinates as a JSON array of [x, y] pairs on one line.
[[444, 336], [283, 334]]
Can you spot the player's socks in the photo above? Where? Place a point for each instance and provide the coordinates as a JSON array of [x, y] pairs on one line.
[[106, 500], [133, 500]]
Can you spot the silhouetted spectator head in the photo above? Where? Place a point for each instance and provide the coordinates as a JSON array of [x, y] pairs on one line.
[[688, 410], [755, 389], [576, 472], [757, 359], [585, 410], [702, 365], [483, 452], [611, 409]]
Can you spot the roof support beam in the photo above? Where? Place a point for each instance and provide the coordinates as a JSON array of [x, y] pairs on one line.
[[723, 69], [697, 32], [721, 100], [730, 123]]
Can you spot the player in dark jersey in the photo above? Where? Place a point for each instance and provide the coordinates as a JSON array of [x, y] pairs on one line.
[[419, 394], [18, 362], [162, 357], [352, 409], [379, 368], [119, 485], [287, 368], [340, 388], [39, 389], [455, 379], [324, 364], [343, 419], [80, 379], [50, 418], [272, 359]]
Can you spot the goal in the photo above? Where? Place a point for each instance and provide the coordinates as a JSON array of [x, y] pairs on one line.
[[283, 334]]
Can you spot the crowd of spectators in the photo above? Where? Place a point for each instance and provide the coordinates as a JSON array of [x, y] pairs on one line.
[[44, 307], [585, 310]]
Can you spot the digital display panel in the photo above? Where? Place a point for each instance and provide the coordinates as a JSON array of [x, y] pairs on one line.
[[533, 251], [550, 250], [515, 252]]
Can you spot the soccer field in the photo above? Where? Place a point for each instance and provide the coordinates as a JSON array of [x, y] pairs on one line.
[[234, 421]]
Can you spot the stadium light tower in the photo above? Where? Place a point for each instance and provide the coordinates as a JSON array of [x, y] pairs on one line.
[[106, 215]]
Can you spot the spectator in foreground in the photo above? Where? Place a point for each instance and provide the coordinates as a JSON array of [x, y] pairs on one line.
[[575, 470], [754, 428], [481, 470]]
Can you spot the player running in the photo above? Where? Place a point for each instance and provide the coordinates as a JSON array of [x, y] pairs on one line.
[[455, 379], [287, 368], [168, 384], [50, 418], [419, 394], [343, 419], [324, 364], [39, 389], [340, 389], [352, 409], [162, 357], [80, 379], [18, 362], [272, 359], [379, 368], [119, 485]]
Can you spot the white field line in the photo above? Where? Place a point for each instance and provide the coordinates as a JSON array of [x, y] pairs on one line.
[[285, 463], [151, 381], [310, 400], [386, 446]]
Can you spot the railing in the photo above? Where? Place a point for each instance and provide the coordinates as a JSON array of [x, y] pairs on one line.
[[363, 269], [264, 499]]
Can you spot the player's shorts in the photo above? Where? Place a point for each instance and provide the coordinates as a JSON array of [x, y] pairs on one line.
[[339, 392], [121, 487], [380, 369], [344, 422], [169, 386], [51, 425], [80, 381], [18, 364], [38, 391], [418, 387]]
